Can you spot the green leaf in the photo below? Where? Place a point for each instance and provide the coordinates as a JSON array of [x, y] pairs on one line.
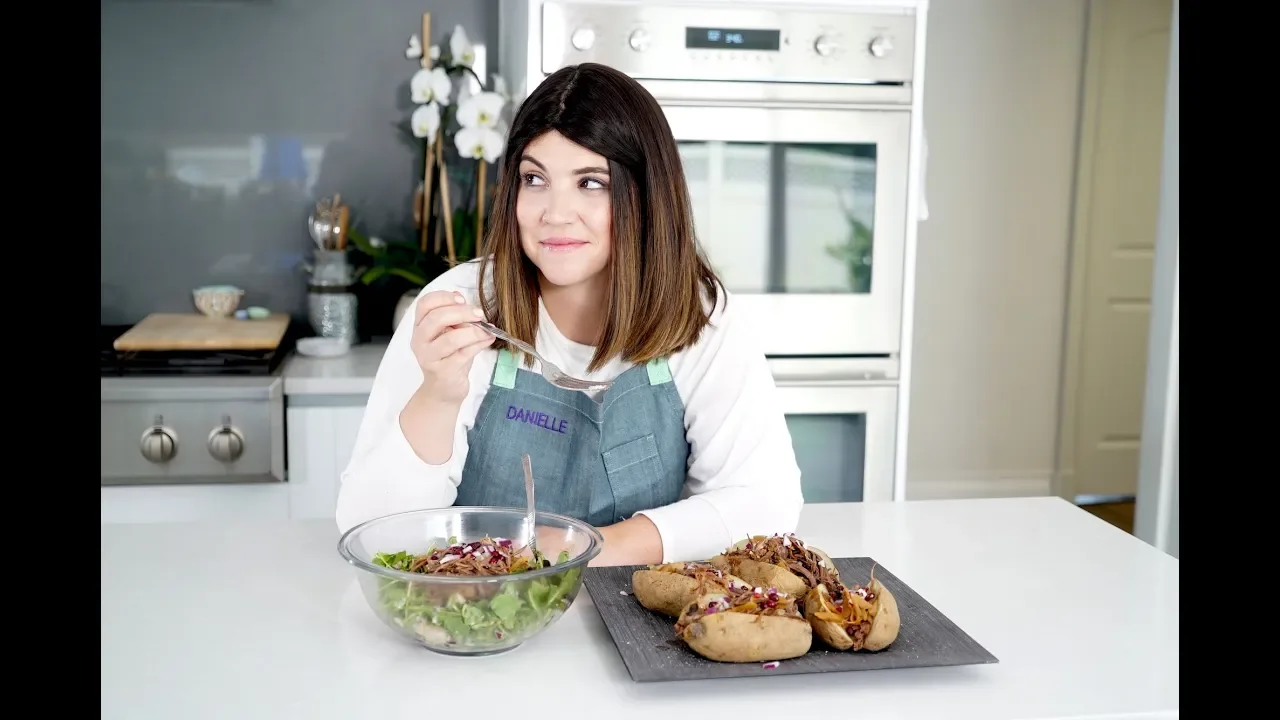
[[505, 606], [363, 243], [409, 275], [473, 616], [372, 274]]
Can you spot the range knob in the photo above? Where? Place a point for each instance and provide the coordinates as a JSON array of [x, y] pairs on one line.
[[639, 40], [226, 443], [825, 46], [880, 46], [583, 38], [159, 443]]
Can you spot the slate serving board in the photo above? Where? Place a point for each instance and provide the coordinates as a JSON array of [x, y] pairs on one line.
[[652, 653]]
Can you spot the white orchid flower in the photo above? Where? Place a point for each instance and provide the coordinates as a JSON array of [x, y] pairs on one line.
[[481, 110], [425, 121], [435, 53], [460, 49], [431, 85], [479, 143], [414, 51]]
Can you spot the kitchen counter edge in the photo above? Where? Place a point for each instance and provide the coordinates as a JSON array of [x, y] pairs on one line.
[[349, 374]]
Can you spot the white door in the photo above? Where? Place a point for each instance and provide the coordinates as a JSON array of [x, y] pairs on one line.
[[1117, 200]]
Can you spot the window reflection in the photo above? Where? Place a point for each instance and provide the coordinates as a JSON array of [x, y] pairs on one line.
[[785, 218]]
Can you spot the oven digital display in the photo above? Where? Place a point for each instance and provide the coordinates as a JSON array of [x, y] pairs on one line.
[[704, 38]]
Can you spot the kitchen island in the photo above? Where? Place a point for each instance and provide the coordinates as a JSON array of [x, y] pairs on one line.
[[264, 620]]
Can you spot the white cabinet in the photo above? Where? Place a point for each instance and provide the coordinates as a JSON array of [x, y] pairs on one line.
[[321, 439]]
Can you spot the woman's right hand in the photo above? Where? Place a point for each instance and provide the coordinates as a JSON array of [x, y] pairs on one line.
[[445, 344]]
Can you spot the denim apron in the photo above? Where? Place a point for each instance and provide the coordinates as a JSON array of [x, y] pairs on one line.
[[598, 461]]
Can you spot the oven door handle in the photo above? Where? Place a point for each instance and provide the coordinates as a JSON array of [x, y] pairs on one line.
[[833, 371]]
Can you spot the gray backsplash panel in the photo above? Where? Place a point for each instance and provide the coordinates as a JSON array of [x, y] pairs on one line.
[[224, 120]]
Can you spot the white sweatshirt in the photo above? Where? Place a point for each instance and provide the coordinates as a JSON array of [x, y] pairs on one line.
[[742, 475]]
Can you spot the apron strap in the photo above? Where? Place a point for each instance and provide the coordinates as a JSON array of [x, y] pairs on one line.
[[504, 371], [659, 371]]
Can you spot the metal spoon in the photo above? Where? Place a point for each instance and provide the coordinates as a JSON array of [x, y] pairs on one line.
[[551, 372], [531, 515]]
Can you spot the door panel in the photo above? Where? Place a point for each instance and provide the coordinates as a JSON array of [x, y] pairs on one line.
[[1122, 155]]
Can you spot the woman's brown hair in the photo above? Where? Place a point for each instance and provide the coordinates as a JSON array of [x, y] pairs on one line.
[[658, 275]]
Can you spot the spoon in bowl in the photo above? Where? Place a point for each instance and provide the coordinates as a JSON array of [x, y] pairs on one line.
[[531, 515]]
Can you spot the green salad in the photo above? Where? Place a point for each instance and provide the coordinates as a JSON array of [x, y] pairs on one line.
[[475, 615]]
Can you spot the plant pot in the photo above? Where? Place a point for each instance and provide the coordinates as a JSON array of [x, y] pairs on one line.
[[404, 305]]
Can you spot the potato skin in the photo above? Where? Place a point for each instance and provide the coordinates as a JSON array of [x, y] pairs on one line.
[[884, 628], [761, 574], [740, 637], [887, 623], [663, 592]]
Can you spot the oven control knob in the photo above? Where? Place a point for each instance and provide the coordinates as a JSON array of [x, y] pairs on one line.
[[583, 38], [824, 46], [159, 444], [639, 40], [226, 443], [880, 46]]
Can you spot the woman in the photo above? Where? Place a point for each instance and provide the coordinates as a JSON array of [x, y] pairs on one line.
[[590, 257]]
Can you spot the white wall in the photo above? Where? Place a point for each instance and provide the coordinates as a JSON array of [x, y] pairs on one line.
[[1156, 516], [1002, 97]]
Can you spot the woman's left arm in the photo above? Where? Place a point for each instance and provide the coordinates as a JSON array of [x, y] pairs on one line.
[[743, 478]]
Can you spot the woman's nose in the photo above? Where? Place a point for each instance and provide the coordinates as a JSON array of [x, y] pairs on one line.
[[559, 210]]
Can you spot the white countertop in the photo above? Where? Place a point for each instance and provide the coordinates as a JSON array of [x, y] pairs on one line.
[[350, 374], [265, 621]]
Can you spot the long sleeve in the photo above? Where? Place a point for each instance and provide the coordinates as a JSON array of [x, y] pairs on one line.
[[385, 475], [743, 478]]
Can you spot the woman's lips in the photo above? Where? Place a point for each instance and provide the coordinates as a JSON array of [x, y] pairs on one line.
[[561, 244]]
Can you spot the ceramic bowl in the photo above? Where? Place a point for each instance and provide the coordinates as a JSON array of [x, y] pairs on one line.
[[323, 347], [218, 301]]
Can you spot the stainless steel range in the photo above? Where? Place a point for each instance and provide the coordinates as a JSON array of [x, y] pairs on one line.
[[191, 417]]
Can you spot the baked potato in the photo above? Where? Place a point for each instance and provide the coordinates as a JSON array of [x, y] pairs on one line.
[[671, 587], [745, 626], [780, 561], [861, 618]]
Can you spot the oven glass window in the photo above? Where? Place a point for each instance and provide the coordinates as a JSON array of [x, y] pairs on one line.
[[831, 452], [785, 218]]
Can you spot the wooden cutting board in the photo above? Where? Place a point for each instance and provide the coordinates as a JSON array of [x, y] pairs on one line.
[[193, 331]]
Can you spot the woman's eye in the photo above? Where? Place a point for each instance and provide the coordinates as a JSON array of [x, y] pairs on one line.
[[532, 180], [592, 184]]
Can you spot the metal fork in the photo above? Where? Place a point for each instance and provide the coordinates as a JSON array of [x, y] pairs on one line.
[[553, 374]]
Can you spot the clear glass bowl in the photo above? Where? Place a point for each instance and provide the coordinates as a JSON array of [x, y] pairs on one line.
[[458, 615]]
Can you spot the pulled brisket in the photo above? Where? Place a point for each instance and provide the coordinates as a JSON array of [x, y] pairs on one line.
[[753, 601], [481, 558], [788, 551]]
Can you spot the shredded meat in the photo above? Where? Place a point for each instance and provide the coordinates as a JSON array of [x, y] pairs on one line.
[[855, 612], [789, 552], [481, 558], [743, 600], [709, 577]]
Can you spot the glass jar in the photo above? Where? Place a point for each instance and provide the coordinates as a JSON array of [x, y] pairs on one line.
[[330, 302]]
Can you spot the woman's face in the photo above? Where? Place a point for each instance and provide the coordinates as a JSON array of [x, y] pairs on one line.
[[563, 209]]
